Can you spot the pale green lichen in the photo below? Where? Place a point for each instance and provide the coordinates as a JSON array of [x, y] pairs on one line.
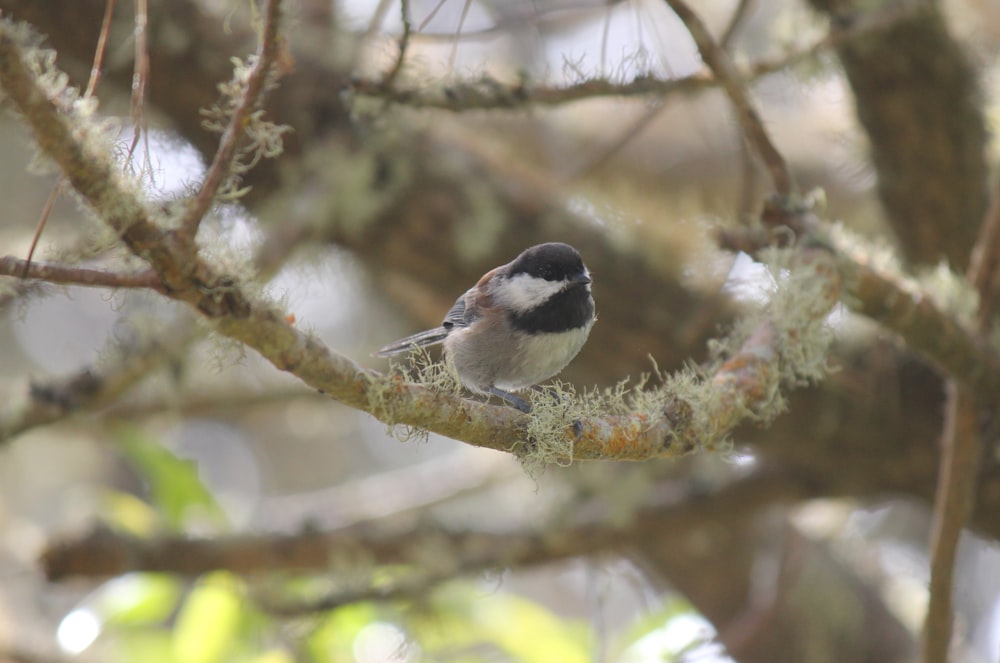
[[950, 292], [262, 139], [422, 369]]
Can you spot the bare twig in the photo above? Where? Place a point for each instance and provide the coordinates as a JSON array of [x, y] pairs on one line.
[[43, 218], [256, 87], [102, 45], [140, 77], [729, 78], [72, 275]]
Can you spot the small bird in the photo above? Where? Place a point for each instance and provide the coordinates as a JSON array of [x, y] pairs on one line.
[[521, 323]]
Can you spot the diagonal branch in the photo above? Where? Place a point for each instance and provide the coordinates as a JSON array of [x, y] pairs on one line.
[[729, 78]]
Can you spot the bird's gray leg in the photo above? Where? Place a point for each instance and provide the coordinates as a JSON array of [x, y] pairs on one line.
[[511, 399]]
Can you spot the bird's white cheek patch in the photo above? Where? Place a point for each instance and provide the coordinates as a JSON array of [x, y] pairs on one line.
[[524, 292]]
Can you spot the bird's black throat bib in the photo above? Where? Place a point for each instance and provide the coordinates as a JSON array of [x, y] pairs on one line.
[[571, 309]]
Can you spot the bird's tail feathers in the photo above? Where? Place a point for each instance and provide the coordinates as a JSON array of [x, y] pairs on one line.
[[424, 338]]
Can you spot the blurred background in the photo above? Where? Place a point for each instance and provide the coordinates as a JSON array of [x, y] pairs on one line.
[[806, 541]]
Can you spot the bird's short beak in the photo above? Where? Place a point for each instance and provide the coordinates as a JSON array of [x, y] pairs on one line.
[[582, 279]]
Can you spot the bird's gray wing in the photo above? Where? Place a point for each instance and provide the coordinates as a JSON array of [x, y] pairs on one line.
[[461, 313]]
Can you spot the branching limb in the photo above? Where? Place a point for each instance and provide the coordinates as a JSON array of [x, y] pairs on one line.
[[256, 87], [82, 276]]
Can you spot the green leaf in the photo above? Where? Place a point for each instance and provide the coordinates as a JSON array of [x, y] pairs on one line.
[[127, 513], [138, 598], [208, 623], [334, 637], [129, 603], [175, 487], [634, 644], [146, 645], [273, 656], [464, 617]]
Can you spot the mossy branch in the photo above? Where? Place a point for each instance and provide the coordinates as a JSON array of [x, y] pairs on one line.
[[876, 288], [691, 412]]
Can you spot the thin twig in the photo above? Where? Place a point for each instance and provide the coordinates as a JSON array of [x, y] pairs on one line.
[[43, 218], [102, 44], [256, 86], [453, 55], [140, 77], [73, 275], [729, 78], [735, 23]]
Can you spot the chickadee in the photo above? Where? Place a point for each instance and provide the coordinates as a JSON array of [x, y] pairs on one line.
[[522, 323]]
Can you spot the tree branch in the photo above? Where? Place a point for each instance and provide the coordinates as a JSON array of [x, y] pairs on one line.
[[97, 386], [729, 78], [103, 553], [890, 299], [82, 276]]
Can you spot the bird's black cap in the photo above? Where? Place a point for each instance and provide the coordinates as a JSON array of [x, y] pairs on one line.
[[553, 261]]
